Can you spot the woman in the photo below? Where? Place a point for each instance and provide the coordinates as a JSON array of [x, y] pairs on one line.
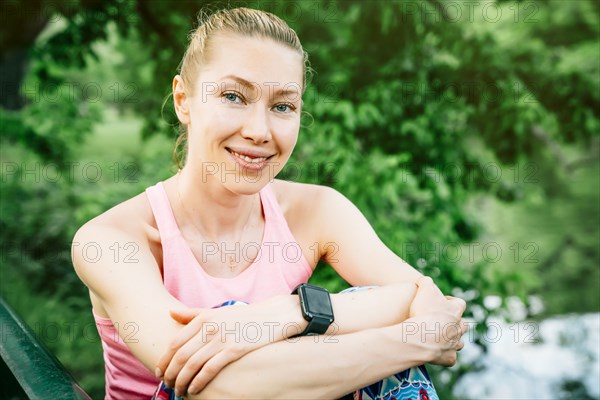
[[223, 228]]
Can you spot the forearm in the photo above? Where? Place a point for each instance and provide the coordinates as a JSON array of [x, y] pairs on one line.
[[304, 369], [355, 311], [288, 369], [374, 308], [280, 317]]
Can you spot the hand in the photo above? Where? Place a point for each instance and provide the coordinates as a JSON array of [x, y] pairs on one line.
[[213, 338], [429, 298], [439, 322], [436, 336]]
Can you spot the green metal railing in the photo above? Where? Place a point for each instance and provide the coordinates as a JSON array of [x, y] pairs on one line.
[[28, 370]]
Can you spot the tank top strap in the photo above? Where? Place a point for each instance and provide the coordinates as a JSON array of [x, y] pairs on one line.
[[293, 265], [273, 213], [162, 210], [270, 205]]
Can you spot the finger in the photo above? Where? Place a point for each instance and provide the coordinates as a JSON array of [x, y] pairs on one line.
[[465, 326], [182, 337], [211, 369], [185, 316], [457, 304], [452, 359], [426, 283], [451, 334], [192, 367], [183, 356], [424, 280], [460, 346]]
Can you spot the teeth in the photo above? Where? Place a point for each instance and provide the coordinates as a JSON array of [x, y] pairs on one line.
[[248, 159]]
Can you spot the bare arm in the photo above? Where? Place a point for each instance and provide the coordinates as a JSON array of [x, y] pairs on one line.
[[290, 370], [326, 369], [331, 367], [130, 289], [374, 308], [187, 361], [133, 292], [351, 245]]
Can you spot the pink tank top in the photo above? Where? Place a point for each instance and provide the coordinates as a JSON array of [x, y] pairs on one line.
[[279, 266]]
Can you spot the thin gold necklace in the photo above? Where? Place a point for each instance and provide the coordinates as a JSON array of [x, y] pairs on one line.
[[232, 262]]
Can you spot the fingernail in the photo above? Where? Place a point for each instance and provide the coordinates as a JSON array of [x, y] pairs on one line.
[[193, 390], [177, 393], [158, 373]]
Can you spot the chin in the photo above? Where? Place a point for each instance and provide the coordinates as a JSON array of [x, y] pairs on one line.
[[248, 181], [246, 185]]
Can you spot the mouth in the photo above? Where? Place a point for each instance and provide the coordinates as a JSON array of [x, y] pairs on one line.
[[249, 159]]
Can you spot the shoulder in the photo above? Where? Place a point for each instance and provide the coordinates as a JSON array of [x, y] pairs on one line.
[[321, 214], [130, 223], [296, 197], [309, 204], [132, 217]]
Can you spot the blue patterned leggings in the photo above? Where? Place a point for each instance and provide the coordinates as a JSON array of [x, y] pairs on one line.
[[411, 384]]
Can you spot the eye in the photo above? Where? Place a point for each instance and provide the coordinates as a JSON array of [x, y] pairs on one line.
[[284, 108], [232, 97]]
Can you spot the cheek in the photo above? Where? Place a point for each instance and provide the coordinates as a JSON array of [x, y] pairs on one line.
[[288, 134], [226, 117], [217, 122]]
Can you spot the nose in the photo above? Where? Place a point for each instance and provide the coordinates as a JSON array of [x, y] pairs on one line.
[[256, 127]]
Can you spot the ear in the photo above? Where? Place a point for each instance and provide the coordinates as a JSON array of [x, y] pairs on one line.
[[181, 100]]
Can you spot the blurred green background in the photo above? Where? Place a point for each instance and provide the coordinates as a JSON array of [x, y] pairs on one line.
[[466, 132]]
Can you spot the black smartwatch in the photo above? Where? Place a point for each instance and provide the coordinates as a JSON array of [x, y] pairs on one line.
[[315, 303]]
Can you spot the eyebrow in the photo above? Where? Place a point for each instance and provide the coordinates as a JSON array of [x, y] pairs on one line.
[[250, 85]]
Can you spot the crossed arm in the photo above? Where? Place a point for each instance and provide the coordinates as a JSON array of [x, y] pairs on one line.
[[370, 344], [304, 367], [308, 369]]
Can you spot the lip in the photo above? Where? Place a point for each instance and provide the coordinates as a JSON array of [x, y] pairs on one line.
[[249, 152], [247, 165]]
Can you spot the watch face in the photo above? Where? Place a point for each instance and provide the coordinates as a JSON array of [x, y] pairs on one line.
[[317, 301]]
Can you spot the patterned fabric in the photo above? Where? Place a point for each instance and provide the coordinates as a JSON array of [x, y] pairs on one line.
[[410, 384], [165, 393]]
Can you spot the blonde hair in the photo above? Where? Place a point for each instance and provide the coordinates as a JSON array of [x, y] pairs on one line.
[[243, 21]]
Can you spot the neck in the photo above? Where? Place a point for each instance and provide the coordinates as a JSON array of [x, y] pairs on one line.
[[213, 209]]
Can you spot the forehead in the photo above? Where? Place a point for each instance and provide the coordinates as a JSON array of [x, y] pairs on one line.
[[259, 60]]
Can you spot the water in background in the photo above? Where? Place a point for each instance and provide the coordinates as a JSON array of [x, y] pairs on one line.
[[556, 358]]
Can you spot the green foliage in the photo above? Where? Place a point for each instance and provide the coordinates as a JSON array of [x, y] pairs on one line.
[[421, 119], [36, 275]]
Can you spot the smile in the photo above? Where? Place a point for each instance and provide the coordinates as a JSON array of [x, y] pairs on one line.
[[249, 159]]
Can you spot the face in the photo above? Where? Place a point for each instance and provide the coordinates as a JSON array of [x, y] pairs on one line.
[[244, 116]]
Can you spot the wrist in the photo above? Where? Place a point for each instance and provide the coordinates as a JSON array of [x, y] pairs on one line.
[[291, 322], [408, 336], [316, 307], [391, 351]]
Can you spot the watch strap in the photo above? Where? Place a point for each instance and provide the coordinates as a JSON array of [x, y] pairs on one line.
[[316, 326]]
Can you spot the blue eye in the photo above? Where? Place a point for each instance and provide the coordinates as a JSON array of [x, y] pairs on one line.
[[232, 97], [284, 108]]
